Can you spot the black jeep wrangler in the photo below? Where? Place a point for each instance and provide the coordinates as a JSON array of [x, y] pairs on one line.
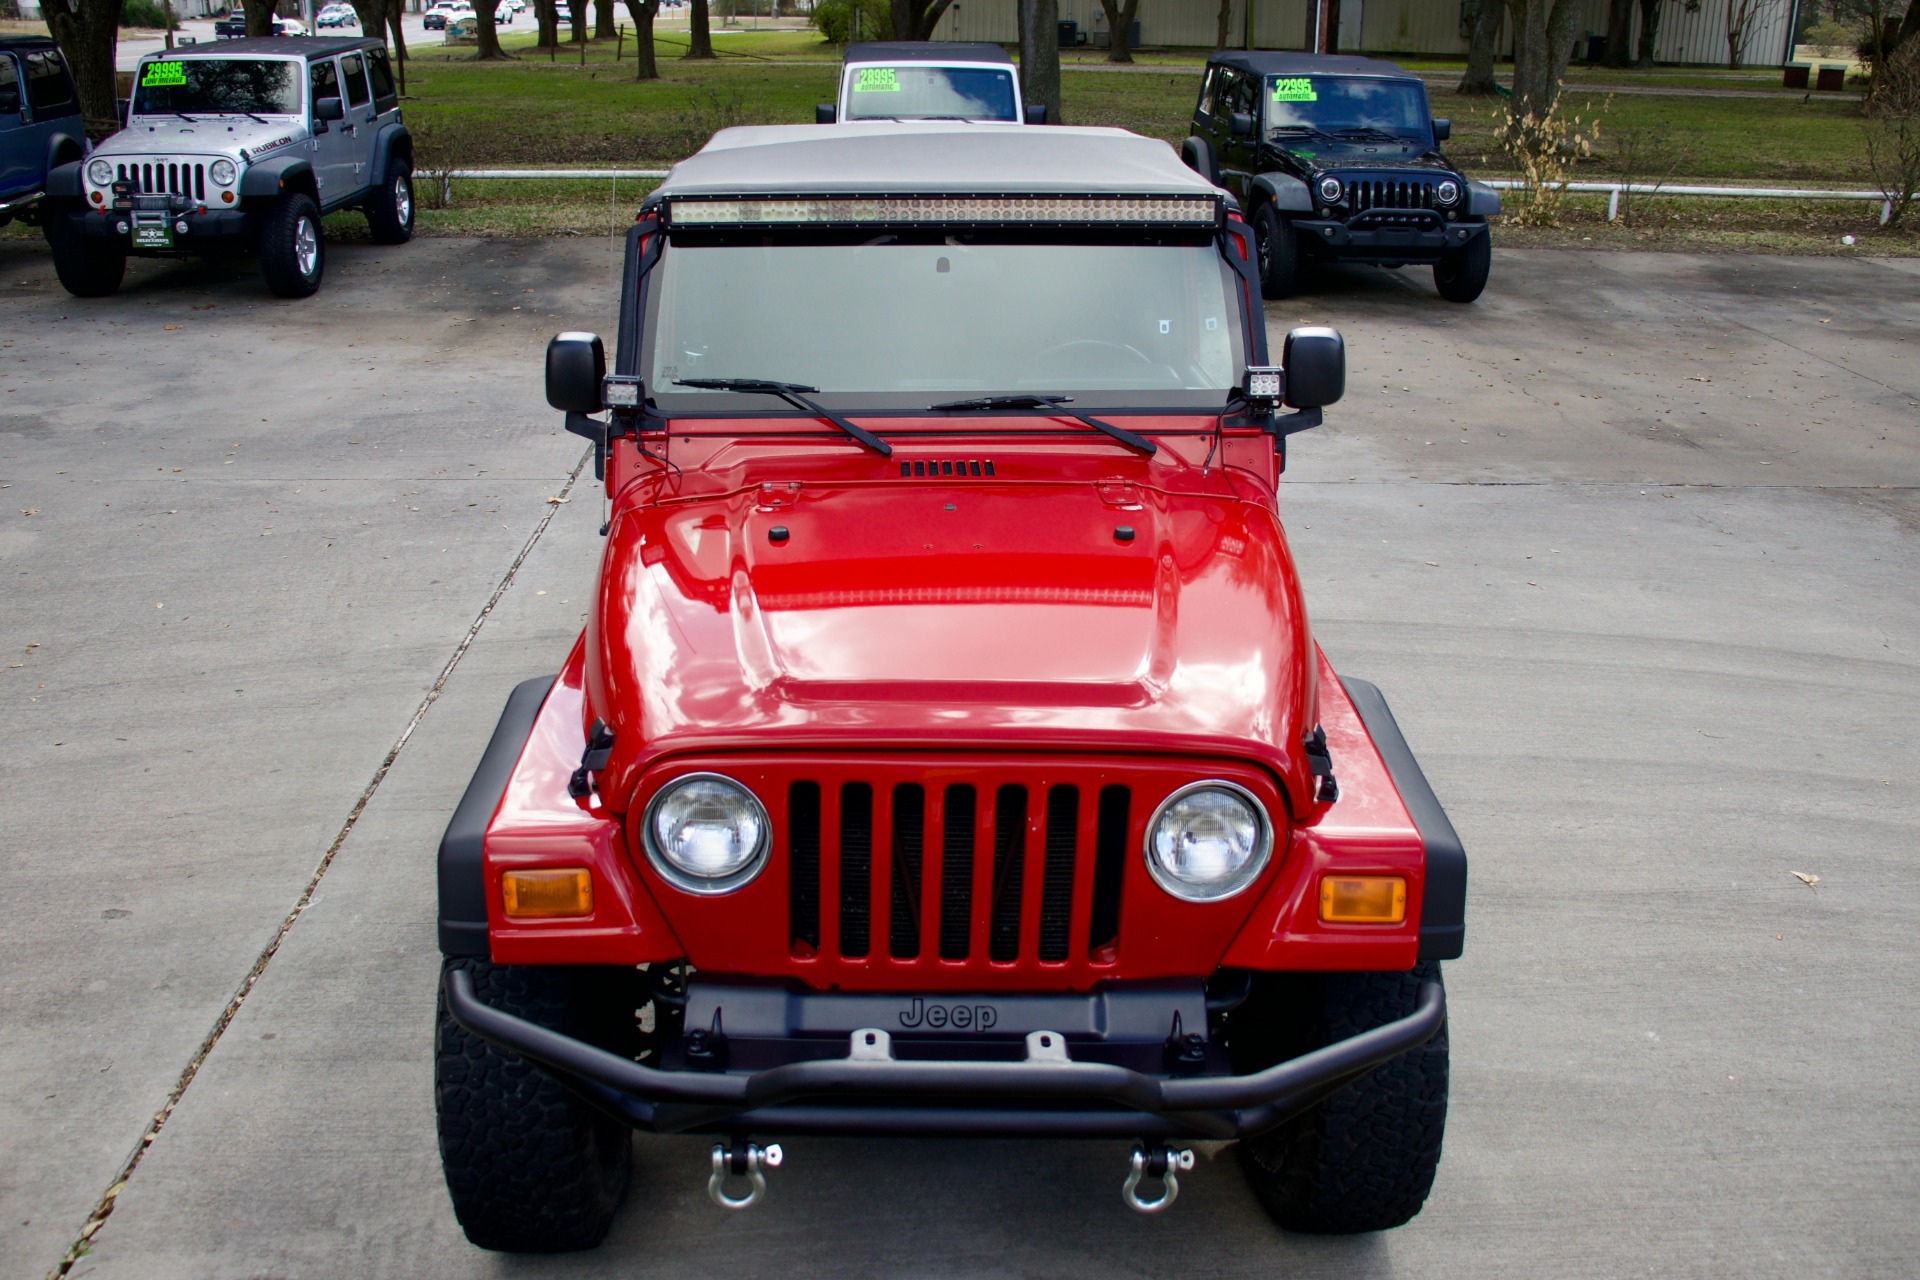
[[1338, 159]]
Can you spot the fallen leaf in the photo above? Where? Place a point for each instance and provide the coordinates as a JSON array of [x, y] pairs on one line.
[[1693, 378], [170, 326], [1807, 880], [29, 511], [554, 502]]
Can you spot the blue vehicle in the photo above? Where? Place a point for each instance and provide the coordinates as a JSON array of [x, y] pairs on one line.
[[40, 125]]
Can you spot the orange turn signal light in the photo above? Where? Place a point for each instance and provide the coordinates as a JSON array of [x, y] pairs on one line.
[[545, 894], [1363, 899]]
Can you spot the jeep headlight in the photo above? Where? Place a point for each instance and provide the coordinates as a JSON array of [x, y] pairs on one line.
[[1330, 190], [1208, 841], [100, 173], [706, 834], [222, 172], [1447, 193]]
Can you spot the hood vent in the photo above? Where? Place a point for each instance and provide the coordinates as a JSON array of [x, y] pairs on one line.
[[947, 468]]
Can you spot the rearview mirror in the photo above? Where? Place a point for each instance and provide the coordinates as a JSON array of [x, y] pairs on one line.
[[576, 370], [1315, 358], [329, 109], [1036, 115], [823, 113], [1241, 124], [1442, 130]]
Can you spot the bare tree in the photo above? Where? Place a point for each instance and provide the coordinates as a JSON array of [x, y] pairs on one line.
[[1543, 33], [643, 13], [699, 31], [1741, 15], [1649, 31], [1223, 24], [1483, 27], [1619, 33], [1893, 128], [1040, 55], [87, 32], [916, 19], [1120, 18]]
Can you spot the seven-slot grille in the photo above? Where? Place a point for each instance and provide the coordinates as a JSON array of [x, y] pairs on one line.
[[1370, 193], [989, 871], [166, 177]]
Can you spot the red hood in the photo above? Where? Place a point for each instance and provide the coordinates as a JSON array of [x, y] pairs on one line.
[[999, 615]]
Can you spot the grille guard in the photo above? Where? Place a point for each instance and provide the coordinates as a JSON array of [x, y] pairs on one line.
[[874, 1093]]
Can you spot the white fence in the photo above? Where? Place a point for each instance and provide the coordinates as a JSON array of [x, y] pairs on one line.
[[1613, 190]]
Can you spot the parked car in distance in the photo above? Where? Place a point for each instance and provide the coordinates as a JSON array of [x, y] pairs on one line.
[[929, 80], [40, 124], [236, 147], [503, 13], [434, 20], [1337, 159], [337, 15]]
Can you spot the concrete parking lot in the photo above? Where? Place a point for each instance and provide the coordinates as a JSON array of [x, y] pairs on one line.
[[1631, 545]]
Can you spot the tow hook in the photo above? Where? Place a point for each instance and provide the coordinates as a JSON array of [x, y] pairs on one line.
[[1160, 1162], [746, 1160]]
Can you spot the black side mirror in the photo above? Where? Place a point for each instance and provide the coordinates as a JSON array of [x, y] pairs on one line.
[[1036, 115], [1315, 358], [823, 113], [1442, 130], [576, 371], [1240, 125], [329, 109]]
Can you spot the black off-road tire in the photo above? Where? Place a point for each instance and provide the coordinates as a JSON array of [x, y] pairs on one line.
[[1363, 1159], [390, 209], [88, 266], [1461, 275], [291, 264], [1273, 237], [530, 1165]]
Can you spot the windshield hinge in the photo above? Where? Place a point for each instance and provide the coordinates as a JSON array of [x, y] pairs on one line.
[[1320, 761], [592, 760]]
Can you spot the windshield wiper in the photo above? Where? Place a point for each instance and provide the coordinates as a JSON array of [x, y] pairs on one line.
[[1303, 128], [1370, 132], [791, 393], [1120, 434]]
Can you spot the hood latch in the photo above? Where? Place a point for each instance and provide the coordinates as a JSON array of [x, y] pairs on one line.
[[593, 760]]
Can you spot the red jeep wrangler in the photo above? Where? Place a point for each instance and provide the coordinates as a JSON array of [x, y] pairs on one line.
[[946, 751]]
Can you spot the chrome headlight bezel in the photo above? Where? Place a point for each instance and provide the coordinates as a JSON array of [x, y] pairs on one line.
[[223, 172], [690, 881], [93, 172], [1447, 193], [1329, 190], [1229, 886]]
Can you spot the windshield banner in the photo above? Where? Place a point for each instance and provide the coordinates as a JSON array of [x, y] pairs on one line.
[[877, 80], [1298, 89], [163, 73]]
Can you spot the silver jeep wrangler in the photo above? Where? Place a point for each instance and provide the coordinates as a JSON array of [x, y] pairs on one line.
[[238, 147]]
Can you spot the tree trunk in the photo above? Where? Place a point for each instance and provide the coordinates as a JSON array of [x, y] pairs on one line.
[[1223, 24], [400, 54], [1543, 32], [603, 26], [1909, 25], [87, 32], [577, 21], [916, 19], [643, 12], [487, 33], [1483, 17], [1120, 25], [259, 16], [1649, 31], [1040, 56], [1619, 33], [1739, 17], [546, 23], [699, 31], [372, 14]]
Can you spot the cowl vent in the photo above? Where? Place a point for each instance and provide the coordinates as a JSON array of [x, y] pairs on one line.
[[946, 468]]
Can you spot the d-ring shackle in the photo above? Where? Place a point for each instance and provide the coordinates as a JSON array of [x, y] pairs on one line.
[[1159, 1163], [748, 1162]]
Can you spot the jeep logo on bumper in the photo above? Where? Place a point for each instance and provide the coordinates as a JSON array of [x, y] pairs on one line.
[[960, 1017]]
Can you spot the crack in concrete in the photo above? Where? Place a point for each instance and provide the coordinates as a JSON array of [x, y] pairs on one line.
[[104, 1207]]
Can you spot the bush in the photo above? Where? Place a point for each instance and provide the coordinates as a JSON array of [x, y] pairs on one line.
[[148, 14], [833, 19]]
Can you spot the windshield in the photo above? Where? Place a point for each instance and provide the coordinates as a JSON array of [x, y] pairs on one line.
[[1341, 104], [903, 326], [218, 86], [924, 93]]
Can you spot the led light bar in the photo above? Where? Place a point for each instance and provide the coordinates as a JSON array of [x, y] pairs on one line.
[[1199, 211]]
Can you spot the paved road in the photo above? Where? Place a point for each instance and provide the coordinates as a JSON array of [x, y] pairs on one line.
[[1631, 545]]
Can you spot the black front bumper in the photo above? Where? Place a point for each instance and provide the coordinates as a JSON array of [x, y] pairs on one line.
[[1416, 240], [205, 229], [869, 1090]]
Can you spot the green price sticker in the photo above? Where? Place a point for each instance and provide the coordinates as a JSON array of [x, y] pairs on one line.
[[876, 80], [1298, 89], [161, 74]]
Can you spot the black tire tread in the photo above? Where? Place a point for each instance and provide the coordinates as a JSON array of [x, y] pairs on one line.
[[383, 220], [86, 267], [277, 265], [1461, 276], [531, 1166], [1365, 1158], [1280, 275]]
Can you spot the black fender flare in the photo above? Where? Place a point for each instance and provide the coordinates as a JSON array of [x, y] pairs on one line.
[[63, 182], [278, 176], [393, 142], [1285, 191], [1197, 152], [462, 875], [65, 148]]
